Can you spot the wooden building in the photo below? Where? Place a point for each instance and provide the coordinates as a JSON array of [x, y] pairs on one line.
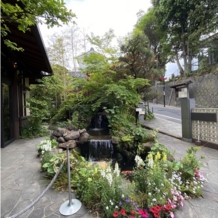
[[19, 69]]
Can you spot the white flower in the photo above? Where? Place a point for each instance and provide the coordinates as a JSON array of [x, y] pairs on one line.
[[109, 178], [154, 199], [149, 194], [107, 208], [139, 161], [116, 207], [122, 195], [117, 170], [108, 170]]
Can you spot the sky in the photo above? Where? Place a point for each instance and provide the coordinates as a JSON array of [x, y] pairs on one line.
[[98, 16]]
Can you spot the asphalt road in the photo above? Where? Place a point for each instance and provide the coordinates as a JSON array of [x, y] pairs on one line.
[[167, 112]]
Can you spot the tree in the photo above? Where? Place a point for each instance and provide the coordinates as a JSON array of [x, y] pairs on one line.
[[149, 25], [186, 22], [27, 13], [137, 59], [103, 44], [59, 52]]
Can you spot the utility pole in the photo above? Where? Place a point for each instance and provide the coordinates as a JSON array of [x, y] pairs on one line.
[[164, 93], [162, 79]]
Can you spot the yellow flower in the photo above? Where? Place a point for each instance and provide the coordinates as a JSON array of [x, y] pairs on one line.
[[89, 164], [150, 156], [89, 179], [157, 156], [95, 170], [164, 157]]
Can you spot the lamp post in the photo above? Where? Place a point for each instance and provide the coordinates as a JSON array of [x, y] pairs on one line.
[[162, 79]]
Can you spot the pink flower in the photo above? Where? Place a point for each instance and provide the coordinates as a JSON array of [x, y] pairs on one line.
[[171, 204], [172, 214]]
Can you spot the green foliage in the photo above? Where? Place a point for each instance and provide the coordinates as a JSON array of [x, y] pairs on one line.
[[30, 131], [103, 44], [149, 115], [186, 23], [39, 112], [51, 166], [46, 145], [28, 13], [156, 182], [138, 60], [149, 25], [190, 161]]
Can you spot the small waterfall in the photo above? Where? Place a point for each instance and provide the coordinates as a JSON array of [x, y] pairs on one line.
[[98, 122], [100, 149]]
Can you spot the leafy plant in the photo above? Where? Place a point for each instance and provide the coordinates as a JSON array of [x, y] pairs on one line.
[[46, 145], [29, 132]]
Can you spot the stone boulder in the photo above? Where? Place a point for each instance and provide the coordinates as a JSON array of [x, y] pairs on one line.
[[82, 131], [61, 140], [70, 143], [71, 135], [84, 137], [59, 132]]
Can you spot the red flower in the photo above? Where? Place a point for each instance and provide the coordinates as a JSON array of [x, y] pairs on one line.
[[155, 209], [133, 212], [167, 207], [123, 212], [156, 215], [115, 214], [131, 217], [143, 213]]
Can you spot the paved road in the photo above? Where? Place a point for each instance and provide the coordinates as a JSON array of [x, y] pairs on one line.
[[168, 113]]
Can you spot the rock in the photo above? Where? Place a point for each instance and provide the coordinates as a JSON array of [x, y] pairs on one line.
[[67, 132], [54, 137], [170, 158], [61, 140], [72, 135], [147, 146], [70, 127], [115, 140], [70, 143], [82, 131], [55, 150], [84, 137], [59, 132]]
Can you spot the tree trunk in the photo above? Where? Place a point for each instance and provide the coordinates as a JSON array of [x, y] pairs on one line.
[[181, 71]]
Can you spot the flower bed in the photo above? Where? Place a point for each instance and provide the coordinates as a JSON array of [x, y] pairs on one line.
[[156, 189]]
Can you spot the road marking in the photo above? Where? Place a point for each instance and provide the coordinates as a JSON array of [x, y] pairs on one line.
[[167, 116]]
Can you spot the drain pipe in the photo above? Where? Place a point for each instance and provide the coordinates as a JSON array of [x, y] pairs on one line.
[[198, 142]]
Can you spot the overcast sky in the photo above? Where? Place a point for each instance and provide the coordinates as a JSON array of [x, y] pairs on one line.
[[98, 16]]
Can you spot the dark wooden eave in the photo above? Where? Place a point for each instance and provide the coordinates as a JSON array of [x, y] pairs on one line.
[[183, 83], [33, 61]]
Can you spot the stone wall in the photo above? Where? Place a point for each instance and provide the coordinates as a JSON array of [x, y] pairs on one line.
[[204, 89], [208, 131]]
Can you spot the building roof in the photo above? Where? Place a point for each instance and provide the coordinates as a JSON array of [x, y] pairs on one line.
[[33, 60], [181, 84]]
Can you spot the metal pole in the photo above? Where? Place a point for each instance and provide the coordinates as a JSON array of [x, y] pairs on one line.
[[72, 205], [68, 175], [164, 93]]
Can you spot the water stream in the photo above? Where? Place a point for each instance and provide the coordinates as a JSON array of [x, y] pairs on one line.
[[100, 146]]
